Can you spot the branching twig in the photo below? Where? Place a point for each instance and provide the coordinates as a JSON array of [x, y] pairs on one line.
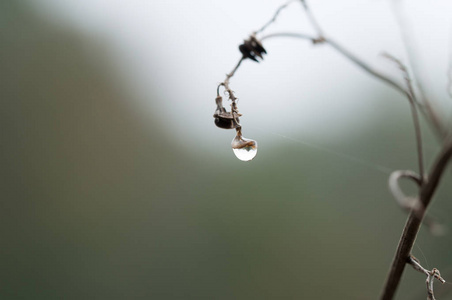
[[342, 50], [408, 93], [431, 275], [225, 83], [428, 187], [321, 38], [427, 184], [312, 19], [414, 222]]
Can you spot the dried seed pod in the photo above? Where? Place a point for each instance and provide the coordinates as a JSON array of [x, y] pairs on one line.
[[257, 45], [223, 118], [247, 52], [251, 48]]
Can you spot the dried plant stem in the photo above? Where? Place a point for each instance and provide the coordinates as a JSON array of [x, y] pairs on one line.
[[290, 35], [427, 184], [360, 63], [272, 20], [409, 92], [431, 275], [406, 35], [412, 99], [225, 83], [413, 223], [366, 67]]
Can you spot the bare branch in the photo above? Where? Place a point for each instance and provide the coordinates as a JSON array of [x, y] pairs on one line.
[[412, 99], [449, 77], [409, 93], [312, 19], [225, 83], [449, 70], [431, 114], [431, 275], [414, 262], [414, 222], [290, 35], [360, 63], [428, 185], [275, 16]]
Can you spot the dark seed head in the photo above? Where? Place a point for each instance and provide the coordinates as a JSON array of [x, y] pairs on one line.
[[252, 48], [223, 118]]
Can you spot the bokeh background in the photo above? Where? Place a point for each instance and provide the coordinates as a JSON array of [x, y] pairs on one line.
[[117, 185]]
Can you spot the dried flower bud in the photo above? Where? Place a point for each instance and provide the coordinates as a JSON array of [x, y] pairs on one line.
[[223, 118], [252, 48], [247, 52]]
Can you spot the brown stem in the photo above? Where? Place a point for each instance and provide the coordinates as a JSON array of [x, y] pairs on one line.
[[363, 65], [431, 275], [413, 223], [225, 83], [412, 99], [429, 111]]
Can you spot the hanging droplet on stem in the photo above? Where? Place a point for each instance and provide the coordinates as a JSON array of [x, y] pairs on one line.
[[245, 149]]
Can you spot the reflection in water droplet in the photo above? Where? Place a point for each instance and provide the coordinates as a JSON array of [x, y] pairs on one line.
[[244, 149], [245, 154]]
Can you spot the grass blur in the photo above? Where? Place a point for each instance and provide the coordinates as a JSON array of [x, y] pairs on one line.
[[97, 204]]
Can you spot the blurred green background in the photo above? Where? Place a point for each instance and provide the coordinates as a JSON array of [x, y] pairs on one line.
[[99, 203]]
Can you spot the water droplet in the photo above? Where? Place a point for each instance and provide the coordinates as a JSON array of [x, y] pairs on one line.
[[244, 149]]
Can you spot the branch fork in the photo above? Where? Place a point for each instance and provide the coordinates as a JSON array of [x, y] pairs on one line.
[[427, 182], [431, 275]]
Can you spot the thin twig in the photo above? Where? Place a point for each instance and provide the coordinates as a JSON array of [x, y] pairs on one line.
[[360, 63], [272, 20], [429, 111], [414, 262], [449, 69], [366, 67], [414, 114], [408, 93], [291, 35], [449, 77], [312, 19], [427, 189], [413, 223], [431, 275], [225, 83], [429, 184], [348, 54]]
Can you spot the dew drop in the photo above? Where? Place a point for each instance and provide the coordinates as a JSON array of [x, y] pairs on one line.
[[245, 154], [244, 149]]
